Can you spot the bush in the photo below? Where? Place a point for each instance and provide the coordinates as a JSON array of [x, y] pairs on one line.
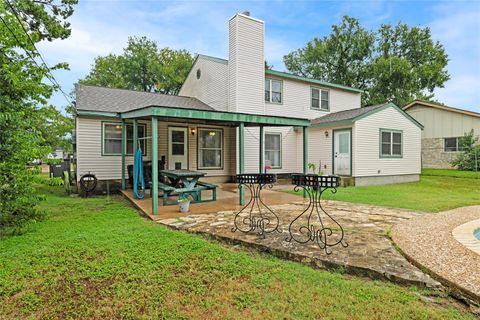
[[469, 159]]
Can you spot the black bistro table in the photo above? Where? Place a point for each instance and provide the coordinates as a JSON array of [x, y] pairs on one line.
[[256, 215], [314, 223]]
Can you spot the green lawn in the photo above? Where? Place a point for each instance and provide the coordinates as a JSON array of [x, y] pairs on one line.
[[430, 194], [94, 258], [451, 173]]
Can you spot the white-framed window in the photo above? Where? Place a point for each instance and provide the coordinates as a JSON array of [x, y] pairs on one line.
[[320, 99], [273, 91], [112, 138], [453, 144], [273, 149], [210, 148], [391, 143]]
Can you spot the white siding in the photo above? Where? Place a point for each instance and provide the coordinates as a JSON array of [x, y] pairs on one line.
[[89, 149], [320, 148], [442, 123], [366, 145], [296, 100], [290, 149], [246, 65], [212, 87]]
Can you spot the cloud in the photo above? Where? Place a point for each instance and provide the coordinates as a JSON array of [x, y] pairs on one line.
[[457, 27]]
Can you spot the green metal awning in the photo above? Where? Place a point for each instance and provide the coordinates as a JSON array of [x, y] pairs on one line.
[[222, 116]]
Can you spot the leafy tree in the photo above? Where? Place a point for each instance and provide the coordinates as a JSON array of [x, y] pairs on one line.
[[142, 66], [23, 92], [469, 159], [394, 63], [55, 128]]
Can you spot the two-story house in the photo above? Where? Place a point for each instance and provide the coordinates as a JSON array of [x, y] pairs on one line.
[[234, 116]]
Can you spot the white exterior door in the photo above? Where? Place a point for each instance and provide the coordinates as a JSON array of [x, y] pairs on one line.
[[177, 148], [342, 152]]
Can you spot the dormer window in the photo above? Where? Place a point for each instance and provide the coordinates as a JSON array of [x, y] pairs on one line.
[[273, 91], [320, 99]]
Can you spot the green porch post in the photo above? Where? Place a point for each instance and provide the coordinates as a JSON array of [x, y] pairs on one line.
[[241, 158], [305, 154], [124, 148], [135, 144], [261, 155], [154, 190]]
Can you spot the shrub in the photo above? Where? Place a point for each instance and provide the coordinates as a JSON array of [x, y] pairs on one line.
[[469, 159]]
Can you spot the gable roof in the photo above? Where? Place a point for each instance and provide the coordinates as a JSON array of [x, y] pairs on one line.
[[441, 107], [284, 75], [94, 98], [352, 115]]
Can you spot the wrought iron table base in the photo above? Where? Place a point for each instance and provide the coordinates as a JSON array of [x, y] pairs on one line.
[[315, 229], [257, 216]]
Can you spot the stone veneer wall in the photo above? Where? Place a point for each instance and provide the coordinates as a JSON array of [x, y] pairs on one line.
[[434, 156]]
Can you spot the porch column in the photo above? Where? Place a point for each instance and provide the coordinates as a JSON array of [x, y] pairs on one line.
[[154, 190], [261, 168], [305, 154], [135, 144], [241, 158], [124, 148]]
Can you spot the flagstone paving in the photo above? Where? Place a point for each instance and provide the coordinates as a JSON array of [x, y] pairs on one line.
[[370, 251]]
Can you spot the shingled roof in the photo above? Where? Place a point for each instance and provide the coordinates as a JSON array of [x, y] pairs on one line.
[[93, 98], [346, 115]]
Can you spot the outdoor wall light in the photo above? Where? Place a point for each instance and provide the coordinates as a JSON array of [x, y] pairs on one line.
[[192, 131], [326, 133], [212, 133]]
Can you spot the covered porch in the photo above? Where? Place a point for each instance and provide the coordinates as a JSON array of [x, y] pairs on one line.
[[228, 196], [227, 200]]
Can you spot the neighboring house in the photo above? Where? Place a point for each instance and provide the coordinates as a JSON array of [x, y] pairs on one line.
[[444, 128], [56, 154], [235, 116]]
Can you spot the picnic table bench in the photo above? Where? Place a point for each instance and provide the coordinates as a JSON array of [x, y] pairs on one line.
[[183, 183]]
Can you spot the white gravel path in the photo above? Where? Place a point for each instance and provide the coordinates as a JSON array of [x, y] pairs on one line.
[[428, 241]]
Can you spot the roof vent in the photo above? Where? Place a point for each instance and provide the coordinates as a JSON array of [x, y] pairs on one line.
[[246, 13]]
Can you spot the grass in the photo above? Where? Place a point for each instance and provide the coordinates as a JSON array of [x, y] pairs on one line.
[[430, 194], [451, 173], [94, 258]]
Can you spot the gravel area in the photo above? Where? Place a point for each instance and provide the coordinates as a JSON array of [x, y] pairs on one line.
[[428, 242]]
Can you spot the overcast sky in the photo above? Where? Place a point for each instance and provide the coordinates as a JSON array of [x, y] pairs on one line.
[[100, 27]]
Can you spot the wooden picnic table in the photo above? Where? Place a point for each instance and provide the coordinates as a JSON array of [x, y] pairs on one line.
[[182, 178]]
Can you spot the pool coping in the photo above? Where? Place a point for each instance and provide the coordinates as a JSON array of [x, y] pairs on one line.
[[464, 234]]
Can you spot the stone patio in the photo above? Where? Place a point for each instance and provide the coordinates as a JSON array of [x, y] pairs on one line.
[[370, 251]]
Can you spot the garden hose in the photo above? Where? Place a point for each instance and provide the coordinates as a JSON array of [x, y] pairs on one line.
[[138, 181], [88, 183]]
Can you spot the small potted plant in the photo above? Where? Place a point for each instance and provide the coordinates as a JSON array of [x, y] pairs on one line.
[[184, 203]]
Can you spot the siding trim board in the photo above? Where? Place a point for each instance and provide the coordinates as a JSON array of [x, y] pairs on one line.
[[222, 156], [281, 148], [380, 155], [351, 149], [320, 89], [144, 125]]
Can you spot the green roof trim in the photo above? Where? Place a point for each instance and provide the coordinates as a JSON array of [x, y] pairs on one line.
[[214, 116], [98, 114], [373, 111], [318, 82]]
